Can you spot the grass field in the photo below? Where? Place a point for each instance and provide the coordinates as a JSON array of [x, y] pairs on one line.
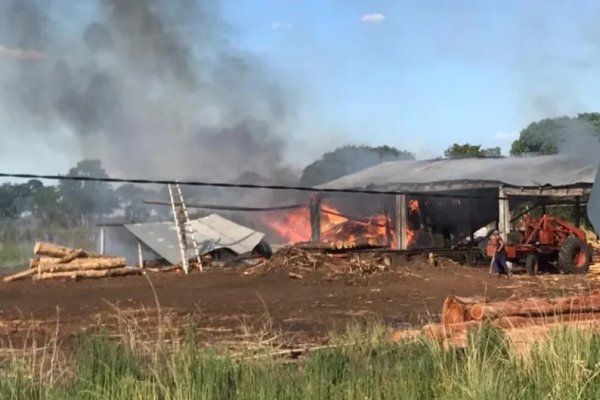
[[566, 366]]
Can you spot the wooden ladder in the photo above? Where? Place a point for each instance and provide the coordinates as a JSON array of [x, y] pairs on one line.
[[185, 235]]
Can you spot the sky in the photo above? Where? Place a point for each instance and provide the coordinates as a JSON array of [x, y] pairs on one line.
[[417, 75], [421, 75]]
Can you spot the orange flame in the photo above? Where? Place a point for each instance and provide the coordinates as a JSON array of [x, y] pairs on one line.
[[413, 207], [295, 227]]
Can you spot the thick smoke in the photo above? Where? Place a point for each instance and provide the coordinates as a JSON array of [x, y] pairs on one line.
[[151, 87], [579, 139]]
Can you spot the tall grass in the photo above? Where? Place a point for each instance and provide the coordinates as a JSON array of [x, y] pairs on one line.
[[564, 366]]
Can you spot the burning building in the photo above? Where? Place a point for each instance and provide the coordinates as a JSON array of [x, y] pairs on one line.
[[437, 203]]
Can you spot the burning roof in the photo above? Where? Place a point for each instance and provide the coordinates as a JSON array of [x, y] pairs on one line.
[[555, 170]]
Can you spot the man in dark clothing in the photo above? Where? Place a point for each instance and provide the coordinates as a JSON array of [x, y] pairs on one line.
[[500, 255]]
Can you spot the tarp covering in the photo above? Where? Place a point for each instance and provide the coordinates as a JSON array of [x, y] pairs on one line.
[[212, 233], [555, 170]]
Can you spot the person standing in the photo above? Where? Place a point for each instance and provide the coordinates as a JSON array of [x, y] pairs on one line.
[[500, 254]]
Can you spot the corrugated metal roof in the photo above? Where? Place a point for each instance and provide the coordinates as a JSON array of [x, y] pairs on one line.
[[212, 232], [555, 170]]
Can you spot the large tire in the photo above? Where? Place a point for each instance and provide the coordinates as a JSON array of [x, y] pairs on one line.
[[574, 256], [532, 264]]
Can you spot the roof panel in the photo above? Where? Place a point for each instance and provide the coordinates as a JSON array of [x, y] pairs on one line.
[[212, 232], [555, 170]]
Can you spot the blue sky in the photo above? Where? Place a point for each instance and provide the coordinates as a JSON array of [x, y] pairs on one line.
[[417, 75], [421, 75]]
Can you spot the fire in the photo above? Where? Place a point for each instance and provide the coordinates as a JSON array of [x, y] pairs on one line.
[[339, 230], [413, 208], [295, 227]]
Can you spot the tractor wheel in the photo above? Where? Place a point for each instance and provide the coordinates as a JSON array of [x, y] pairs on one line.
[[574, 256], [532, 264]]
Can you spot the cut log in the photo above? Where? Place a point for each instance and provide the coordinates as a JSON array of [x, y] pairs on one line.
[[20, 275], [523, 337], [89, 274], [536, 307], [82, 264], [52, 250], [520, 322], [36, 261], [456, 309], [79, 253], [441, 331]]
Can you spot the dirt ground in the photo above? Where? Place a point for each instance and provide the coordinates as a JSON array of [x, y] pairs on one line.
[[223, 303]]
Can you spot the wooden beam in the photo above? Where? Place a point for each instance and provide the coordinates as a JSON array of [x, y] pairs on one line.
[[140, 254], [315, 218], [578, 211], [547, 192], [503, 214], [401, 210], [102, 241]]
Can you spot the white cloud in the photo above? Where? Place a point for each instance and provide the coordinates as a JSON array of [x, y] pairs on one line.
[[281, 25], [375, 18], [505, 135]]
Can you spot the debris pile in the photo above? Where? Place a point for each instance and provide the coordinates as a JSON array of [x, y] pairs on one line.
[[296, 261], [52, 261], [461, 315]]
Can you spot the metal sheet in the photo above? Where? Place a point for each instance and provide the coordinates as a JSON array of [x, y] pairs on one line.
[[212, 232], [428, 175], [593, 205]]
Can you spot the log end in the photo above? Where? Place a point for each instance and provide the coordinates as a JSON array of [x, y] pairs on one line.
[[37, 247], [476, 312], [453, 311]]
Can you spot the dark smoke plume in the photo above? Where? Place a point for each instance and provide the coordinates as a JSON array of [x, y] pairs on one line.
[[151, 87]]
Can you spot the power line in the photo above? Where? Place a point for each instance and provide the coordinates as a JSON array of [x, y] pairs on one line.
[[238, 185]]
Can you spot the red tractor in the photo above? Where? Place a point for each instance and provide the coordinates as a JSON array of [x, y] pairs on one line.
[[549, 241]]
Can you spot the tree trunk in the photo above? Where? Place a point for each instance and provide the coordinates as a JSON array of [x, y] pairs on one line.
[[456, 309], [20, 275], [79, 253], [82, 264], [52, 250], [536, 307], [89, 274], [441, 331], [34, 262]]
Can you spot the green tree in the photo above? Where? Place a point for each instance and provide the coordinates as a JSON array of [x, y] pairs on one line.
[[470, 150], [87, 200], [548, 135], [347, 160], [131, 197], [43, 203]]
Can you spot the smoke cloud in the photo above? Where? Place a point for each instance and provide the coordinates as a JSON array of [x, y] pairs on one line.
[[151, 87], [579, 139]]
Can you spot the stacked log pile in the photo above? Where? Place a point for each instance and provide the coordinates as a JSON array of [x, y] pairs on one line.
[[461, 315], [55, 262]]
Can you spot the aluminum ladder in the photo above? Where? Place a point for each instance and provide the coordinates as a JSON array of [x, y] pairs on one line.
[[185, 235]]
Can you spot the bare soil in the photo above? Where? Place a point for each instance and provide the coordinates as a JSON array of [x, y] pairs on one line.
[[223, 303]]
